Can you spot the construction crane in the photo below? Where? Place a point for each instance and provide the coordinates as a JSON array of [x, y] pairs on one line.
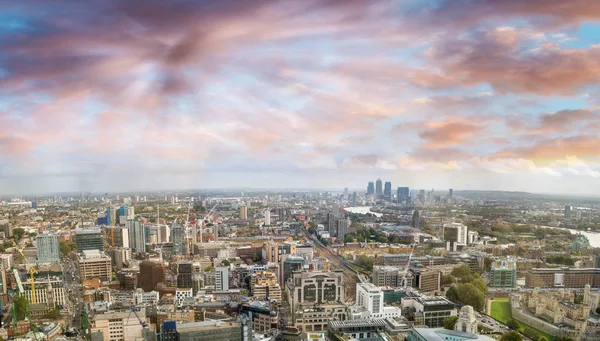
[[408, 265], [133, 310], [32, 271]]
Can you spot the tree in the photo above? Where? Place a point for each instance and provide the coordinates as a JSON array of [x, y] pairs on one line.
[[452, 294], [598, 310], [65, 247], [468, 294], [255, 258], [450, 322], [480, 285], [511, 336], [18, 233], [365, 261], [461, 271], [512, 324], [53, 314], [562, 338], [21, 306], [448, 279], [208, 268], [487, 264], [225, 262]]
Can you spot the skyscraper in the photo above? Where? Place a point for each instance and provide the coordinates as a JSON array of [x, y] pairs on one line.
[[243, 212], [346, 193], [267, 217], [450, 193], [354, 198], [371, 188], [387, 191], [378, 188], [403, 194], [222, 278], [331, 222], [47, 248], [137, 237]]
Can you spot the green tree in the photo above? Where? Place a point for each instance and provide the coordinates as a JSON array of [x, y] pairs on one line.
[[21, 306], [487, 264], [448, 279], [53, 314], [480, 285], [255, 257], [461, 271], [450, 322], [225, 262], [65, 247], [512, 324], [468, 294], [365, 261], [208, 268], [18, 233], [562, 338], [598, 310], [511, 336], [452, 294]]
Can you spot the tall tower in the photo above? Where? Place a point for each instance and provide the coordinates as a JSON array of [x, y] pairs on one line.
[[371, 188], [378, 188]]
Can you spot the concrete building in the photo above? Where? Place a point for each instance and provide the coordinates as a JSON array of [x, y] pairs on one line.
[[137, 237], [119, 255], [50, 291], [427, 280], [182, 294], [363, 329], [316, 287], [116, 326], [243, 212], [441, 334], [48, 250], [562, 277], [94, 264], [89, 239], [222, 278], [429, 310], [370, 304], [264, 285], [503, 274], [272, 251], [121, 236], [456, 232], [342, 226], [313, 318], [390, 276], [267, 217], [467, 320], [214, 331]]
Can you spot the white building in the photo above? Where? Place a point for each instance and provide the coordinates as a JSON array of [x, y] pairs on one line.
[[267, 217], [7, 260], [182, 294], [369, 303], [145, 298], [48, 250], [456, 232], [222, 278], [46, 291]]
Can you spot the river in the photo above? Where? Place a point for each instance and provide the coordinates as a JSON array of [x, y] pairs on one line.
[[362, 210], [593, 237]]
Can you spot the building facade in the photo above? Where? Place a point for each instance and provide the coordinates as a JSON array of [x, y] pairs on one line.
[[89, 239], [562, 277], [94, 264], [48, 250]]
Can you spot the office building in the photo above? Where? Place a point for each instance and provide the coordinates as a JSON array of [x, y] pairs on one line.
[[369, 297], [222, 278], [151, 273], [120, 234], [403, 194], [317, 287], [371, 188], [94, 264], [137, 237], [441, 334], [562, 277], [264, 286], [244, 212], [116, 326], [390, 276], [89, 239], [119, 255], [456, 233], [387, 191], [354, 199], [503, 274], [450, 193], [430, 310], [48, 250], [178, 238], [378, 189], [272, 251], [214, 331], [184, 275], [427, 280], [291, 264], [49, 291], [267, 217]]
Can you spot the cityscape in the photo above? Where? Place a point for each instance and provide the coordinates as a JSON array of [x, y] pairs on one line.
[[300, 170]]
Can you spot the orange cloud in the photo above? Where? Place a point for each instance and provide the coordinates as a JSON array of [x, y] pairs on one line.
[[447, 133]]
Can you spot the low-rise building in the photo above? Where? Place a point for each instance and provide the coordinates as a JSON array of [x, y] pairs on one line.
[[429, 310], [264, 285], [562, 277], [94, 264]]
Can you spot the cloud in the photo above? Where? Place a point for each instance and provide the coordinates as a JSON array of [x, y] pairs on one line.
[[447, 133]]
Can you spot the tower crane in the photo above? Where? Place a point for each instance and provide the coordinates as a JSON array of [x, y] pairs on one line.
[[133, 310], [408, 265], [32, 272]]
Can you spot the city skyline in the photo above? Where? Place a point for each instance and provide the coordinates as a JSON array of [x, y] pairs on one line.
[[149, 95]]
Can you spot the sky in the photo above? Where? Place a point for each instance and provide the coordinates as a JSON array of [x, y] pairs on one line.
[[107, 95]]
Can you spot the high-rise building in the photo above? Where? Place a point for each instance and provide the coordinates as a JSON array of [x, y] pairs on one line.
[[371, 188], [137, 238], [331, 222], [387, 191], [370, 297], [151, 273], [89, 239], [346, 193], [121, 235], [568, 210], [342, 225], [184, 275], [177, 238], [267, 217], [456, 232], [243, 212], [403, 194], [378, 189], [222, 278], [291, 264], [450, 193], [48, 250], [422, 196], [354, 199]]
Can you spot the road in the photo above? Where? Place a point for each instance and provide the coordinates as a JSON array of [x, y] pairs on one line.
[[74, 294]]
